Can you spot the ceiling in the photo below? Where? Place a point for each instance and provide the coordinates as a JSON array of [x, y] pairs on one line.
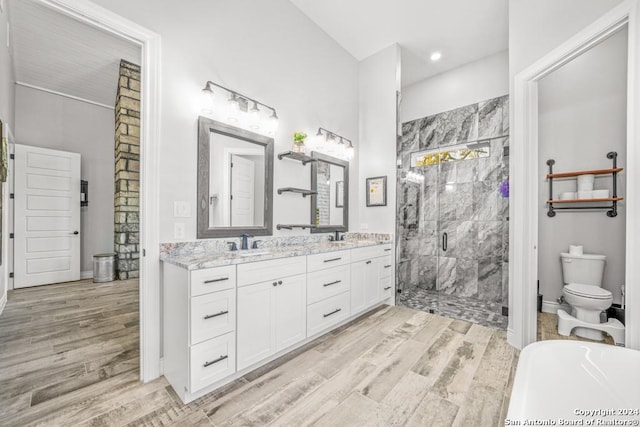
[[463, 30], [58, 53]]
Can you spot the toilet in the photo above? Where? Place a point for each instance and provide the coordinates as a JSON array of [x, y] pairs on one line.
[[582, 276]]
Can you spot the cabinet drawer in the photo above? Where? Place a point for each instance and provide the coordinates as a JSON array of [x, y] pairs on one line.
[[212, 279], [255, 272], [386, 266], [371, 252], [386, 287], [327, 260], [211, 361], [327, 283], [212, 315], [328, 312]]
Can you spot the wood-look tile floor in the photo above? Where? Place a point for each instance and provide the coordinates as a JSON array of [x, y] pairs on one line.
[[548, 330], [69, 356]]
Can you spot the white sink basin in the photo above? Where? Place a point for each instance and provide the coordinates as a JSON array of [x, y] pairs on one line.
[[245, 254], [339, 243]]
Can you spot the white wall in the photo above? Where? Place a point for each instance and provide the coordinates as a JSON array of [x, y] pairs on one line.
[[379, 83], [476, 81], [7, 99], [582, 116], [267, 50], [56, 122]]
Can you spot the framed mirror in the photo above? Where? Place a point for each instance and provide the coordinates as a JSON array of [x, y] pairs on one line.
[[235, 181], [330, 206]]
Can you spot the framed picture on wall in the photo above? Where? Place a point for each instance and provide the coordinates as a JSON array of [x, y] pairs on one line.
[[377, 191], [340, 194]]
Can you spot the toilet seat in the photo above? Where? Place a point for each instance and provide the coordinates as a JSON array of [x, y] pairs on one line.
[[587, 291]]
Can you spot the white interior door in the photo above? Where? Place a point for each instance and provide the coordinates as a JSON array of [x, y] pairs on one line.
[[242, 191], [47, 216]]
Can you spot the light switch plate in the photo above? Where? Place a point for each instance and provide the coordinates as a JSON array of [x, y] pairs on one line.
[[178, 230], [181, 209]]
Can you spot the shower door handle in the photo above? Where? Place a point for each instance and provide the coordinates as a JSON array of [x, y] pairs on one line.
[[444, 242]]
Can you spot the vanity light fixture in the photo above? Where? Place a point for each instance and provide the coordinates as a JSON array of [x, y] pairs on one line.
[[333, 144], [207, 99], [237, 109]]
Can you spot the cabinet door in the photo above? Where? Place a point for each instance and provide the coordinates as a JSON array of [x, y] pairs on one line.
[[358, 294], [256, 337], [372, 281], [290, 311]]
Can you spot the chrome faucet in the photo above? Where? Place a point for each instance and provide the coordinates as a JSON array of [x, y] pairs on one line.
[[245, 241]]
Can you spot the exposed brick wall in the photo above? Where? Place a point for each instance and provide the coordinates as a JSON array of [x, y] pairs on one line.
[[127, 172]]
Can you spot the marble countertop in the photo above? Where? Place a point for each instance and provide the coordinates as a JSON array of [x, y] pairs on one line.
[[197, 261]]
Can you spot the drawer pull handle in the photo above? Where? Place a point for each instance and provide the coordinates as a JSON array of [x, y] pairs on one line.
[[211, 316], [368, 262], [332, 259], [279, 282], [387, 288], [219, 359], [332, 283], [332, 313], [275, 283], [222, 279], [387, 266], [387, 250]]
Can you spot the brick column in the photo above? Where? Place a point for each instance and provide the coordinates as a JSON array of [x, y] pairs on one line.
[[127, 172]]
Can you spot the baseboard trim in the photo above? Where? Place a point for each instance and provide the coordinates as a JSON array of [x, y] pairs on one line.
[[553, 307], [86, 274]]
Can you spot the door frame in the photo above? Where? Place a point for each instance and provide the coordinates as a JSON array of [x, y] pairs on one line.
[[523, 206], [91, 14]]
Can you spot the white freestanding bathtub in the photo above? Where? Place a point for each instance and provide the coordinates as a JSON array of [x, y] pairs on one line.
[[575, 383]]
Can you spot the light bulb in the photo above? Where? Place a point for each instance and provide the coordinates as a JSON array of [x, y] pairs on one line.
[[233, 108], [272, 126], [206, 100], [254, 117], [350, 151]]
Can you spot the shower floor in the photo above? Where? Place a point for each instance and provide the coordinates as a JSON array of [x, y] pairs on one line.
[[472, 310]]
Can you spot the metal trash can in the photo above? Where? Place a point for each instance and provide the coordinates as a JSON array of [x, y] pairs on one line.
[[104, 268]]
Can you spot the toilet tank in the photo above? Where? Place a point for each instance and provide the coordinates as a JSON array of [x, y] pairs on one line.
[[586, 269]]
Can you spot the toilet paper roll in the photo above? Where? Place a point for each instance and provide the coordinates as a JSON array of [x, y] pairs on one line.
[[571, 195], [585, 194], [575, 249], [585, 182]]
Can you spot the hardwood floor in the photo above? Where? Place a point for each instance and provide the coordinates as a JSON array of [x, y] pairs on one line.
[[69, 356]]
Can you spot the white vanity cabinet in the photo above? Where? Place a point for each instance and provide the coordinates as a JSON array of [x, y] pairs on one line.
[[328, 288], [271, 313], [221, 322], [199, 327], [371, 276]]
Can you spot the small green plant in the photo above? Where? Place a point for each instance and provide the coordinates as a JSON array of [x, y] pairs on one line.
[[299, 137]]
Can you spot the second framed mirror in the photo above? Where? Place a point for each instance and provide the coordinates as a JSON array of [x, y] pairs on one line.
[[330, 207]]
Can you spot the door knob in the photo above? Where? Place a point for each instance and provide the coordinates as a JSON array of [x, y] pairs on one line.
[[76, 232]]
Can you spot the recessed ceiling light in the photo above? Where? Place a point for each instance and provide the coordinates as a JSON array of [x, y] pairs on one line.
[[435, 56]]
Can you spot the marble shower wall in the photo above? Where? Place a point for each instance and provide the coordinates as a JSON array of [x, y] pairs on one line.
[[460, 198]]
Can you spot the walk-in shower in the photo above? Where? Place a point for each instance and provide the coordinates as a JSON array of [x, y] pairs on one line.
[[452, 213]]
